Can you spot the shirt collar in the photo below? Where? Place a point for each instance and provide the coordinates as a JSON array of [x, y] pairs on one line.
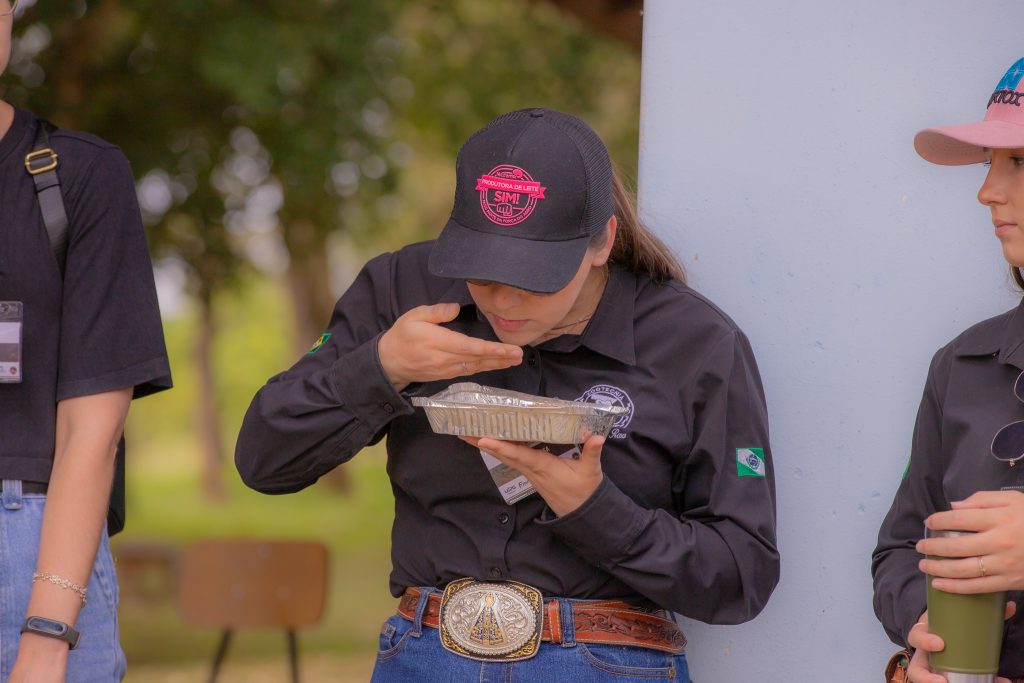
[[1012, 349], [458, 293], [1003, 337], [610, 331], [16, 137]]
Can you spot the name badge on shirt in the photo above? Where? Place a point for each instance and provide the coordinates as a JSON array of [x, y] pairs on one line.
[[11, 313], [513, 485]]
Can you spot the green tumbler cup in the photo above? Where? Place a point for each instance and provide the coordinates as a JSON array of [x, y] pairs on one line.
[[971, 626]]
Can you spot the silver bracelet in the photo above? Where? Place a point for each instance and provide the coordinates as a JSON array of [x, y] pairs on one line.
[[60, 581]]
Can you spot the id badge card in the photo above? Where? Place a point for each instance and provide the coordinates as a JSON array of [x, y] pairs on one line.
[[513, 485], [11, 318]]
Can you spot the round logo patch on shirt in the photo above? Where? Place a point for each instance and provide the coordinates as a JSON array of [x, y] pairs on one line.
[[508, 194], [607, 395]]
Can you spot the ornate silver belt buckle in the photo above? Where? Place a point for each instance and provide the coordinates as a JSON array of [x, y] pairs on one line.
[[491, 621]]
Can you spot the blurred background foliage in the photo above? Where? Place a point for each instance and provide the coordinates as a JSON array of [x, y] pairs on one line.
[[277, 145]]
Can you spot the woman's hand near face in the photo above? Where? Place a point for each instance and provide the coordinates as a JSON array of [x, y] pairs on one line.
[[988, 561], [563, 483], [418, 349]]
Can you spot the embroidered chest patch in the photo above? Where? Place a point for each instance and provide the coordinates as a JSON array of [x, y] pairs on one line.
[[607, 395]]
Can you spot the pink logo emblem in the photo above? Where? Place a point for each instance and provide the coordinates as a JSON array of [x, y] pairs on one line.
[[508, 194]]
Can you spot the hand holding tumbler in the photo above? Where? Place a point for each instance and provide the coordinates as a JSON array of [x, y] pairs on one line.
[[971, 627]]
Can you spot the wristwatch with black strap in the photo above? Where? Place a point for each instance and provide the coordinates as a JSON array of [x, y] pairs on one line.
[[51, 628]]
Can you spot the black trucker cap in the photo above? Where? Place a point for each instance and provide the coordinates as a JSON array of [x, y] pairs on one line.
[[531, 190]]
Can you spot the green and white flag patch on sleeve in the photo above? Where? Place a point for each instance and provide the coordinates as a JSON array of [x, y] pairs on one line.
[[750, 462]]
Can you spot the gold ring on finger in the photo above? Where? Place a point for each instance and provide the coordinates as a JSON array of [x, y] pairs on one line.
[[465, 366], [981, 566]]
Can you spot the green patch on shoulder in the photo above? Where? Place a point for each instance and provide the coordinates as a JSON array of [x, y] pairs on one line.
[[319, 342]]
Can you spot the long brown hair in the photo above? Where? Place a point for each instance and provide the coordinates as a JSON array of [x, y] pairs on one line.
[[636, 247], [1018, 277]]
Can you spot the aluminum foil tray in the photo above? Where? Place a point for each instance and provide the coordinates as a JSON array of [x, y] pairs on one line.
[[468, 409]]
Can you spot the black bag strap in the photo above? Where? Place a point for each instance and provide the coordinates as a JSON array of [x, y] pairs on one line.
[[41, 164]]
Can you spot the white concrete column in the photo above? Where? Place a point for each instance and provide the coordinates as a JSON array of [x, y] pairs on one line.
[[776, 158]]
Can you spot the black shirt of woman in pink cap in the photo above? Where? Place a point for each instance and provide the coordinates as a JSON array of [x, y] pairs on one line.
[[967, 440]]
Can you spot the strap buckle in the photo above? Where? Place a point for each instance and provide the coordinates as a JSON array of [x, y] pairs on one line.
[[32, 157]]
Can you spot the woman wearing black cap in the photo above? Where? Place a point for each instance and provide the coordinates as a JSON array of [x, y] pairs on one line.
[[544, 282], [968, 437]]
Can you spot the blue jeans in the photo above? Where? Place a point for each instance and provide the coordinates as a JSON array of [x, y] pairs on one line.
[[98, 657], [410, 651]]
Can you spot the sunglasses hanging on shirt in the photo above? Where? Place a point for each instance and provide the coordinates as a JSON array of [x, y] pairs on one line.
[[1008, 443]]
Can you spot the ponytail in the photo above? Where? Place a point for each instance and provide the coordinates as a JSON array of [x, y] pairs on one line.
[[636, 247]]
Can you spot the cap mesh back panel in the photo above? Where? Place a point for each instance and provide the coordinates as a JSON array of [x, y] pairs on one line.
[[596, 164]]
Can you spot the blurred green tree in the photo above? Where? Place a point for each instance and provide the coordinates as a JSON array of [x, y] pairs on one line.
[[462, 63], [264, 132], [236, 116]]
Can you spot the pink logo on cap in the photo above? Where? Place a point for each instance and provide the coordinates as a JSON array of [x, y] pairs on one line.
[[508, 194]]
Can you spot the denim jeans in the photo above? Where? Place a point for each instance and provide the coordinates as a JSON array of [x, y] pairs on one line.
[[410, 651], [98, 657]]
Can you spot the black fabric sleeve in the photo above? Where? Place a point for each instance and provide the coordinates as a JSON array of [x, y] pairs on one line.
[[715, 559], [111, 334], [900, 589], [335, 400]]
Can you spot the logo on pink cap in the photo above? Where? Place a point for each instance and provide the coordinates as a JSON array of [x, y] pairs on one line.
[[1007, 92], [508, 194]]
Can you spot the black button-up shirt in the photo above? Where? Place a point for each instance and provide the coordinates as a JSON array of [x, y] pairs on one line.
[[673, 523], [968, 397]]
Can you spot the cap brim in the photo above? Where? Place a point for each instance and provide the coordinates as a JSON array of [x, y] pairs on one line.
[[966, 143], [534, 265]]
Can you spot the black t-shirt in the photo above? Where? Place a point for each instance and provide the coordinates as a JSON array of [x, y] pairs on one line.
[[97, 329]]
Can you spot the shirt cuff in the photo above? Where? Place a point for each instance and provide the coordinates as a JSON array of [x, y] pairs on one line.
[[603, 528], [359, 377]]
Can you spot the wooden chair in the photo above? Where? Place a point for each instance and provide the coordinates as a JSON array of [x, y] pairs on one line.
[[233, 584], [147, 570]]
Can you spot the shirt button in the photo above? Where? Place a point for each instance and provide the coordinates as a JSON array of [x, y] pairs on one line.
[[503, 518], [388, 408], [495, 572], [531, 361]]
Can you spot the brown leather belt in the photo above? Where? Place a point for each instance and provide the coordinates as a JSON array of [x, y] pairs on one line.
[[609, 622]]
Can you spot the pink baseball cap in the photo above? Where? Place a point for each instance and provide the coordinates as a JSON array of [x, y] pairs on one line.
[[1002, 127]]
